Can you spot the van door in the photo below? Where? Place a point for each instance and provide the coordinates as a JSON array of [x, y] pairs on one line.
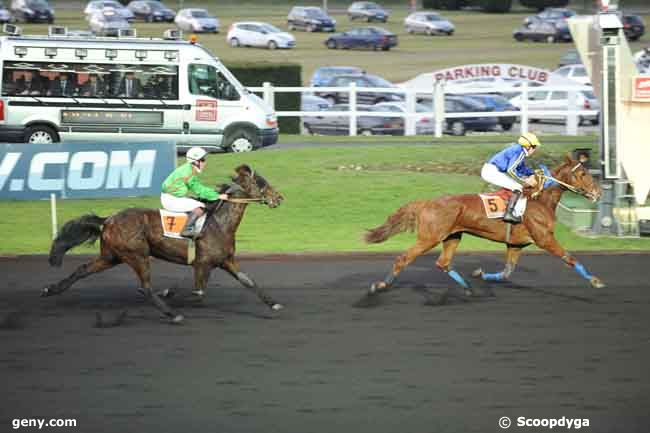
[[214, 101]]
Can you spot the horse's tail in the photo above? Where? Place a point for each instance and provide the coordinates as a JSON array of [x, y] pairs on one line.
[[86, 228], [405, 218]]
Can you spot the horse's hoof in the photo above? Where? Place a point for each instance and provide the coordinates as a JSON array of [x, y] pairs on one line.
[[177, 319], [167, 293], [596, 283], [277, 307], [478, 273], [46, 291], [375, 287], [198, 293], [469, 293]]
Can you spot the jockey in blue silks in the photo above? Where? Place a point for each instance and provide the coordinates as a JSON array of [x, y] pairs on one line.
[[507, 169]]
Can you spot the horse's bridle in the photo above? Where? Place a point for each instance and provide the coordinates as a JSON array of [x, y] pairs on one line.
[[260, 200], [566, 185]]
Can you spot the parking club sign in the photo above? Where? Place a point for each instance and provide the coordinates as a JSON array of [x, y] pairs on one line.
[[641, 88]]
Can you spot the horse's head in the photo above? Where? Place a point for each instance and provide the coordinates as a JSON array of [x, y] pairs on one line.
[[256, 187], [574, 174]]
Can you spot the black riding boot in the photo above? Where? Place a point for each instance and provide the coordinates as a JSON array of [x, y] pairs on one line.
[[189, 229], [509, 216]]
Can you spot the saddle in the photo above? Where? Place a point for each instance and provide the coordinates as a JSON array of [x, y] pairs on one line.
[[173, 223], [495, 203]]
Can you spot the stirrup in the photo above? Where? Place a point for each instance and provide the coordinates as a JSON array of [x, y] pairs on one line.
[[509, 217]]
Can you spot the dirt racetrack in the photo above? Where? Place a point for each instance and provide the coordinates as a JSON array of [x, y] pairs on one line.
[[548, 346]]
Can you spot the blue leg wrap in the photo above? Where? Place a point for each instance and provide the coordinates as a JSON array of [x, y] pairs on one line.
[[457, 277], [493, 277], [582, 271]]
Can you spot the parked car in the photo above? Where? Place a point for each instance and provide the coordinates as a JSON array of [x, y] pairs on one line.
[[464, 104], [367, 11], [498, 103], [310, 19], [633, 27], [543, 31], [571, 57], [5, 15], [98, 5], [551, 15], [257, 34], [429, 23], [107, 22], [558, 100], [313, 103], [366, 125], [363, 97], [577, 73], [32, 11], [196, 21], [151, 11], [323, 75], [424, 125], [366, 37]]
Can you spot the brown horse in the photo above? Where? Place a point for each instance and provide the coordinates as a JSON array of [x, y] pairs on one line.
[[133, 235], [445, 219]]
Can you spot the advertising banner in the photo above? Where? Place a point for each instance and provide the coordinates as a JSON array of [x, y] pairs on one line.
[[84, 170]]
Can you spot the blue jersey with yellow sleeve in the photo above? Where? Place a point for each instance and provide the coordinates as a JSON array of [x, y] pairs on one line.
[[511, 161]]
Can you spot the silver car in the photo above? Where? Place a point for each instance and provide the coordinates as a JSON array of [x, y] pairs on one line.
[[424, 124], [196, 20], [107, 22], [99, 5], [541, 99], [429, 23]]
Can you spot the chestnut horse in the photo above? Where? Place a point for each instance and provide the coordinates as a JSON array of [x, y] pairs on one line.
[[445, 219], [131, 236]]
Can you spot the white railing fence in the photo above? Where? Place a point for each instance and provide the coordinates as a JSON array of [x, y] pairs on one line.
[[437, 114]]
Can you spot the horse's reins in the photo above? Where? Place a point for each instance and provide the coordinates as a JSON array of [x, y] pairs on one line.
[[243, 200], [564, 184]]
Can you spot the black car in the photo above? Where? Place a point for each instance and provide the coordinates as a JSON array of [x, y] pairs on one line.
[[633, 27], [366, 125], [375, 38], [151, 11], [32, 11], [464, 104], [551, 15], [363, 97], [311, 19], [497, 103], [543, 31]]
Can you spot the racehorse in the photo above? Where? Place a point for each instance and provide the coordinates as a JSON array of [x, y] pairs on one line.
[[133, 235], [445, 219]]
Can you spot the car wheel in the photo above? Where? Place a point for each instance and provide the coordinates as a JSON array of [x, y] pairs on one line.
[[458, 128], [308, 129], [506, 126], [368, 19], [409, 31], [376, 47], [311, 28], [291, 27], [40, 134], [234, 42], [550, 39], [366, 132], [519, 37], [331, 44], [450, 33], [148, 19], [272, 45], [242, 140], [430, 32], [386, 48]]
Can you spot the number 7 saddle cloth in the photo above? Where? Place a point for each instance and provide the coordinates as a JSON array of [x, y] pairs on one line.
[[173, 223], [495, 203]]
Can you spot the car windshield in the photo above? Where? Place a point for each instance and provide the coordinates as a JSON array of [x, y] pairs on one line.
[[114, 5], [315, 13], [371, 6], [379, 82], [271, 29], [156, 6], [200, 14], [112, 18], [433, 18], [37, 4]]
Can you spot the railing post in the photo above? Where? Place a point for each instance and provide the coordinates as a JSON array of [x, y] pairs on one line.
[[353, 109], [439, 107], [524, 108], [409, 120], [269, 95], [572, 118]]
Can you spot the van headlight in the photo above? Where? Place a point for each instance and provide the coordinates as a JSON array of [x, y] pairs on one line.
[[271, 120]]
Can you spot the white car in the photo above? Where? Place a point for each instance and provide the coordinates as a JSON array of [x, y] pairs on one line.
[[196, 20], [99, 5], [424, 125], [257, 34], [558, 100], [430, 23], [107, 23], [577, 73]]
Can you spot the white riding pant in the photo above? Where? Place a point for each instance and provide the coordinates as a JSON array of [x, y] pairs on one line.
[[179, 204], [490, 173]]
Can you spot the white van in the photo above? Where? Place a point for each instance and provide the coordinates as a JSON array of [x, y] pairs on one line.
[[64, 88]]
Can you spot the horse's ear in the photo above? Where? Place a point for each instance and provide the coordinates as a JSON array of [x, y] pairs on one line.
[[243, 170], [568, 159]]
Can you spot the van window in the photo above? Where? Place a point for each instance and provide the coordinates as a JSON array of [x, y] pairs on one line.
[[90, 80], [206, 80]]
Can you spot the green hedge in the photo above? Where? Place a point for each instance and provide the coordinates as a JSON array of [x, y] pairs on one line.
[[280, 75]]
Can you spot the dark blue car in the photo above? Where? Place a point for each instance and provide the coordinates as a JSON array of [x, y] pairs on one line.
[[324, 75], [498, 103], [365, 37]]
